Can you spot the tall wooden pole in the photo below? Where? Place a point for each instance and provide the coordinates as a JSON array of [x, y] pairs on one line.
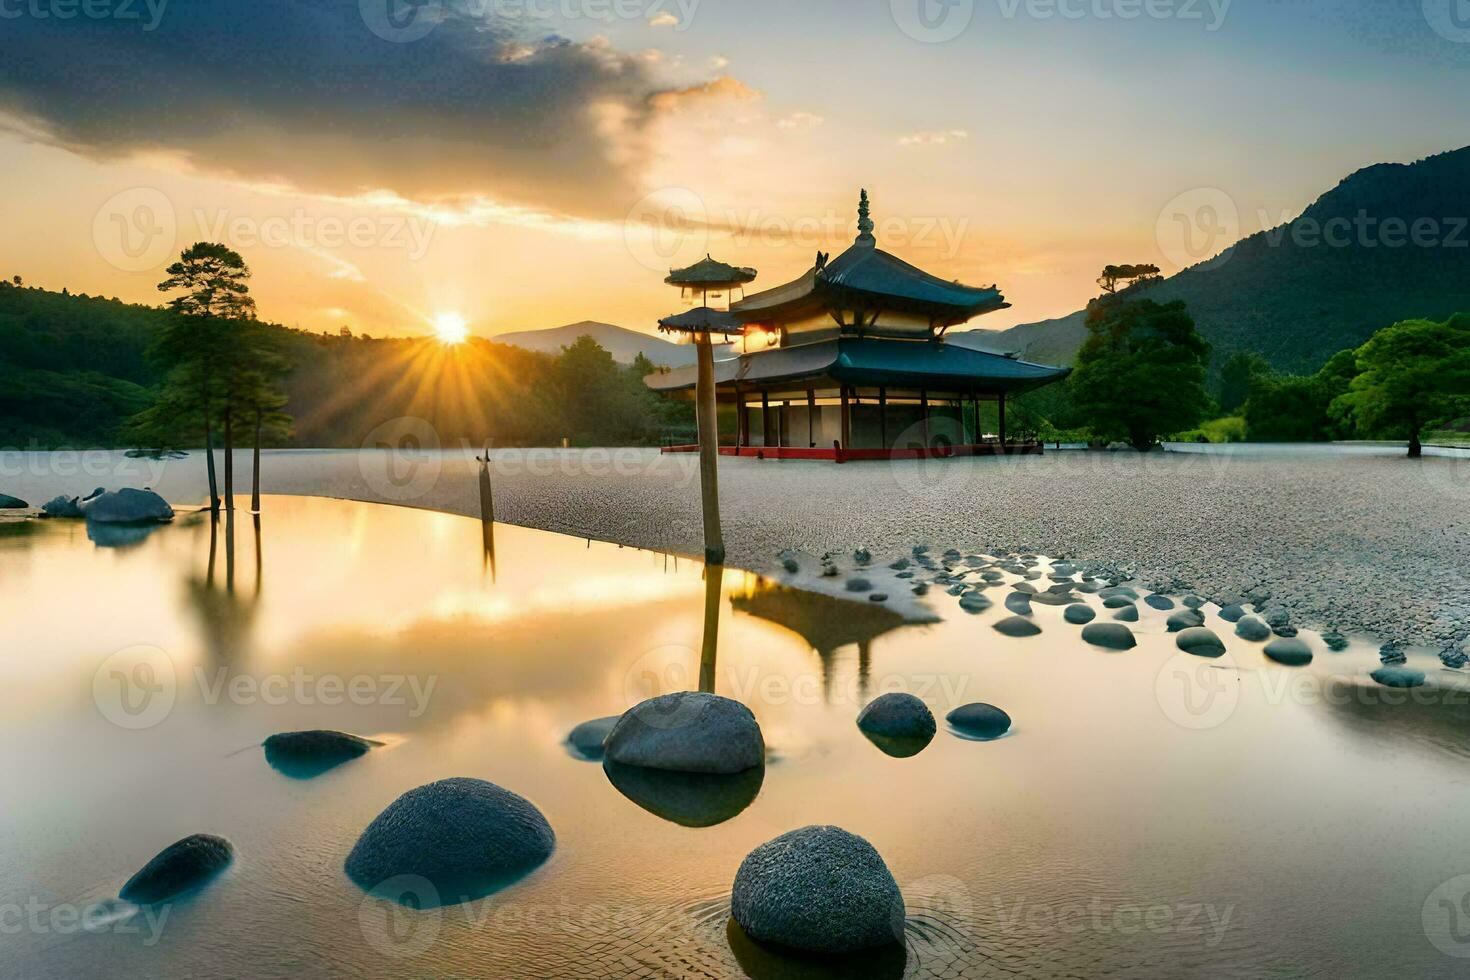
[[709, 452], [714, 576]]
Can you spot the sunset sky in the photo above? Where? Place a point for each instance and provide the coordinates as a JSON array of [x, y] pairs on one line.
[[527, 163]]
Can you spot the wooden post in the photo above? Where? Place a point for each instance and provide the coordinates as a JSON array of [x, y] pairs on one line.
[[487, 512], [924, 411], [811, 418], [714, 576], [765, 419], [846, 421], [255, 475], [709, 453], [882, 418], [1002, 423], [742, 420]]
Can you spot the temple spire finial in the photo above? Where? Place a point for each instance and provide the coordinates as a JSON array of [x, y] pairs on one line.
[[865, 221]]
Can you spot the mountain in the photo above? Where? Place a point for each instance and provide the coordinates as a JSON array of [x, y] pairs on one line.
[[1302, 291], [622, 343]]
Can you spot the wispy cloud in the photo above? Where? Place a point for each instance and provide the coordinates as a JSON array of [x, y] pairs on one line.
[[800, 120], [663, 19], [934, 138]]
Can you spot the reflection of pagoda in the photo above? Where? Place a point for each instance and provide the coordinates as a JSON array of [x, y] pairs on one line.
[[825, 623]]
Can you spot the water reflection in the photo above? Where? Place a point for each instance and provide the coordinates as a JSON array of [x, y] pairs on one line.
[[1394, 719], [689, 799], [225, 618], [761, 963]]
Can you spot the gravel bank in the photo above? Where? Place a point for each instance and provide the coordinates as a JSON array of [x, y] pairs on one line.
[[1352, 539]]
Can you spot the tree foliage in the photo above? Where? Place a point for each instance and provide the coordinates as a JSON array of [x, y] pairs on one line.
[[1411, 375], [1140, 375], [1125, 277], [1239, 373]]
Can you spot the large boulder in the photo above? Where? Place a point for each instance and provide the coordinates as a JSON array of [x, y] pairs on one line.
[[181, 866], [897, 715], [1160, 602], [129, 506], [1289, 652], [1251, 628], [688, 731], [1079, 615], [1396, 676], [464, 836], [1110, 636], [303, 755], [1185, 619], [7, 502], [818, 890], [62, 507], [1200, 641], [979, 721], [585, 741]]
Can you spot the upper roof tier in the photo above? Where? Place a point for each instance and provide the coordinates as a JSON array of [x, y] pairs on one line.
[[710, 273], [867, 278]]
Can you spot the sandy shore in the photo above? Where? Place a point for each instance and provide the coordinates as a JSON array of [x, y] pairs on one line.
[[1354, 539]]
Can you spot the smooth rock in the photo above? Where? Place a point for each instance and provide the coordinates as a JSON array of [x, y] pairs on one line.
[[689, 799], [1016, 626], [7, 502], [1128, 614], [688, 731], [1200, 641], [1019, 603], [859, 585], [1056, 599], [1251, 628], [465, 836], [1335, 641], [1117, 602], [1232, 613], [897, 715], [1160, 602], [1398, 676], [1079, 615], [1111, 636], [979, 721], [1289, 652], [303, 755], [129, 506], [62, 507], [1185, 619], [585, 741], [818, 890], [975, 602], [179, 867], [1194, 602]]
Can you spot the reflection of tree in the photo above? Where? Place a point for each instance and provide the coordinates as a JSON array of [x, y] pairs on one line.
[[825, 623], [225, 618]]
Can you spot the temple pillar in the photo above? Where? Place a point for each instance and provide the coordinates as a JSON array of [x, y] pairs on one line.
[[1002, 426]]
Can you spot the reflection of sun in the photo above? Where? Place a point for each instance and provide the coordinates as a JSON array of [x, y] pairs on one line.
[[451, 328]]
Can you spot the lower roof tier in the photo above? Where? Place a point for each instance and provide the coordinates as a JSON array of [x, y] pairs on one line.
[[869, 362]]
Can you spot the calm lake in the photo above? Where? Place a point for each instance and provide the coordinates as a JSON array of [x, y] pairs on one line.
[[1149, 814]]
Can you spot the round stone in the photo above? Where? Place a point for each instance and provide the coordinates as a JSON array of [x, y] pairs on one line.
[[129, 506], [975, 602], [1186, 619], [7, 502], [818, 890], [1128, 614], [1019, 603], [687, 731], [1232, 613], [1079, 615], [1251, 628], [585, 741], [1110, 636], [1289, 652], [1398, 676], [179, 867], [1200, 641], [464, 836], [1159, 602], [1117, 602], [1017, 626], [307, 754], [979, 721], [897, 715], [859, 585]]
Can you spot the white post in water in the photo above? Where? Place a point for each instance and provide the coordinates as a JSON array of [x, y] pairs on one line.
[[709, 451]]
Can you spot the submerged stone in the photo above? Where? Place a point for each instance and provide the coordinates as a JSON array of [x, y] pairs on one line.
[[1159, 602], [859, 585], [1200, 642], [179, 867], [1335, 641], [306, 754], [897, 715], [1016, 626], [63, 507], [1056, 599], [1019, 602], [1079, 615], [1127, 614], [979, 721], [129, 506], [688, 731], [1398, 676], [1232, 613], [975, 602], [7, 502], [1185, 619], [1289, 652], [1114, 591], [1193, 602], [585, 741], [689, 799], [465, 836], [1117, 602], [818, 890], [1111, 636], [1251, 628]]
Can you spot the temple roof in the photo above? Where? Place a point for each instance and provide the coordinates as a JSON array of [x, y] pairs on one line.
[[701, 319], [870, 362], [709, 273], [865, 276]]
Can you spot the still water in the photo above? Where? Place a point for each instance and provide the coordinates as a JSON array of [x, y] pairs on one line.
[[1149, 814]]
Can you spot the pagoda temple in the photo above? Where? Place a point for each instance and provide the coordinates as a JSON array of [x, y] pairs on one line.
[[849, 361]]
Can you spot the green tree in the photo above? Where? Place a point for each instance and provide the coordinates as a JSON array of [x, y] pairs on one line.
[[1125, 277], [1140, 374], [1236, 377], [214, 280], [1412, 374]]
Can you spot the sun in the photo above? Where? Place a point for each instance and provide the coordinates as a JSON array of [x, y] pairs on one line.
[[451, 328]]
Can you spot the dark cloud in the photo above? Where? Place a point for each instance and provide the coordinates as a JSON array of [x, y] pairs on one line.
[[306, 93]]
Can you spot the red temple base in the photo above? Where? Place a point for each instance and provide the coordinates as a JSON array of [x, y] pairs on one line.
[[838, 455]]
